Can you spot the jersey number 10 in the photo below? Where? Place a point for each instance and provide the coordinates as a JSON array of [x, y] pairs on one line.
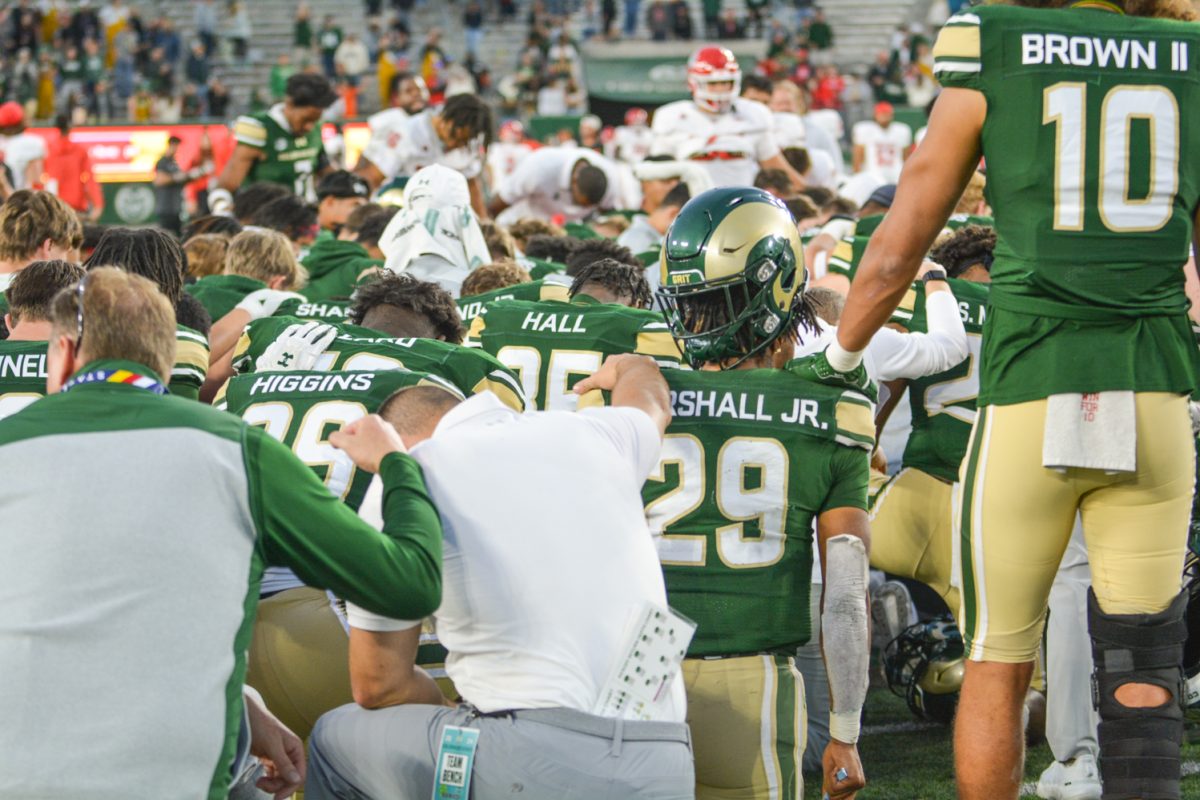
[[1064, 105]]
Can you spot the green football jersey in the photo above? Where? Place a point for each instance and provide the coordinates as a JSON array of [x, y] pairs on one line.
[[325, 311], [846, 257], [220, 293], [540, 268], [1093, 178], [22, 374], [361, 349], [301, 409], [553, 345], [750, 459], [552, 287], [287, 159], [191, 363], [943, 405]]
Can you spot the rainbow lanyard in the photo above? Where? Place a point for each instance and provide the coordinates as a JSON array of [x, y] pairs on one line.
[[122, 376], [1103, 5]]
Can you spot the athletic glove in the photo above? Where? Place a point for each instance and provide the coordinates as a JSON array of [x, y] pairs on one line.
[[297, 348], [817, 368], [265, 302]]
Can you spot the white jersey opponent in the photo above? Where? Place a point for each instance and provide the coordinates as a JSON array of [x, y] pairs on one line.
[[400, 146], [503, 158], [730, 145], [630, 144], [883, 147]]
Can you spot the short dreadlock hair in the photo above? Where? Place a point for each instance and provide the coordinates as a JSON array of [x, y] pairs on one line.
[[406, 292], [551, 248], [149, 252], [470, 113], [622, 280], [970, 245], [589, 251]]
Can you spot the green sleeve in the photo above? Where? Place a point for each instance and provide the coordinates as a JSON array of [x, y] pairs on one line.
[[958, 52], [301, 525], [851, 468]]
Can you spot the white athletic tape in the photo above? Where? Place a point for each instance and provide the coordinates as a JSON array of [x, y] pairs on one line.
[[844, 634]]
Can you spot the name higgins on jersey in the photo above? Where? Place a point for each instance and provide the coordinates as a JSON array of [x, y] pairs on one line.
[[1094, 51], [328, 382], [742, 405]]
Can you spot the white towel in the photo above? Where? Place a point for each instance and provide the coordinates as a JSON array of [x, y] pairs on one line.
[[1091, 431]]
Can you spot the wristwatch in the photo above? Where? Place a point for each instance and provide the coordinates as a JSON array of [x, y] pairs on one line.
[[934, 275]]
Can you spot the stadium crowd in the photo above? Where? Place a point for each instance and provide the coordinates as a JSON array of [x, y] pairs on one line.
[[615, 467]]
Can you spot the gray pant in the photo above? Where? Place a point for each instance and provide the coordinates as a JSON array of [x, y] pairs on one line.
[[1070, 719], [541, 754], [816, 687]]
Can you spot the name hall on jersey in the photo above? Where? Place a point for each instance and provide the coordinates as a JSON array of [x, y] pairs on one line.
[[1095, 51]]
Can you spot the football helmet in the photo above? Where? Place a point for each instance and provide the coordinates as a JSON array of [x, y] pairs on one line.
[[925, 665], [512, 132], [731, 275], [711, 65], [635, 117]]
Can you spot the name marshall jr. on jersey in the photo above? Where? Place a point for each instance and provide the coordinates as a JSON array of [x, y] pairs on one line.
[[744, 405]]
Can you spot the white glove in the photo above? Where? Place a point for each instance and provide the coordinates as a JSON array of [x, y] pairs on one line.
[[265, 302], [297, 348]]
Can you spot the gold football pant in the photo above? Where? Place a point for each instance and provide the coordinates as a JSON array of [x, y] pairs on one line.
[[1014, 519], [912, 531], [299, 658], [748, 723]]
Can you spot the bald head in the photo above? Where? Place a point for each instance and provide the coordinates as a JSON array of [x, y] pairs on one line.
[[415, 411]]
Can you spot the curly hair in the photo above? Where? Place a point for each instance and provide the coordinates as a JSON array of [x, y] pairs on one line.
[[550, 248], [490, 277], [406, 292], [1162, 9], [589, 251], [524, 229], [622, 280], [970, 245]]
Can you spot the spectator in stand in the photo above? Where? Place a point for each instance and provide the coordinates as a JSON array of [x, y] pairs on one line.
[[24, 153], [828, 92], [195, 68], [820, 38], [69, 173], [730, 26], [631, 15], [681, 19], [168, 39], [84, 25], [71, 76], [473, 26], [169, 180], [756, 11], [218, 99], [160, 73], [329, 38], [353, 59], [93, 64], [658, 20], [47, 73], [204, 20], [240, 29], [608, 17], [26, 29], [280, 73], [433, 62], [24, 82], [880, 75], [113, 18], [804, 71], [302, 34], [191, 104]]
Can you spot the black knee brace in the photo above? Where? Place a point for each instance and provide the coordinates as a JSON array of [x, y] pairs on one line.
[[1139, 747]]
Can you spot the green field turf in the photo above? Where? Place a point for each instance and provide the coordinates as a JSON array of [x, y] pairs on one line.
[[917, 765]]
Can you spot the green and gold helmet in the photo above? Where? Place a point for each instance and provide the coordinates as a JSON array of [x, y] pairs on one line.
[[732, 274]]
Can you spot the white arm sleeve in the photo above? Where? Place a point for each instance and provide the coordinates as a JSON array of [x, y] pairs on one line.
[[915, 355], [844, 634]]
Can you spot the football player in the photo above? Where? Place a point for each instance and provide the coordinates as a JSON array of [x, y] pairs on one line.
[[1094, 186], [757, 450], [631, 142], [881, 143], [282, 145], [554, 286], [730, 136], [552, 345], [23, 353], [299, 651], [509, 150], [396, 322], [408, 96], [35, 226]]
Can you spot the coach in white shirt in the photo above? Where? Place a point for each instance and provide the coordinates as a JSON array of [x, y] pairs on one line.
[[547, 564], [881, 144], [571, 181]]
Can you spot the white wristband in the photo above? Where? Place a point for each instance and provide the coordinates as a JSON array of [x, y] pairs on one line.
[[840, 358], [844, 725]]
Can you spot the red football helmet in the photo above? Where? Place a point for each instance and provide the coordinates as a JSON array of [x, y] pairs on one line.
[[635, 117], [512, 132], [710, 65]]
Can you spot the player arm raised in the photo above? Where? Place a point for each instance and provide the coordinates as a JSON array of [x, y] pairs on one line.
[[932, 181], [634, 381]]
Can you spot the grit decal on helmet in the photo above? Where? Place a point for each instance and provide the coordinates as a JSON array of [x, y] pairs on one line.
[[924, 665], [732, 275], [708, 67]]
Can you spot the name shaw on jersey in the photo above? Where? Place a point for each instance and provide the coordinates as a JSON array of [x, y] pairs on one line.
[[26, 365], [553, 322], [742, 405], [328, 382], [1094, 51]]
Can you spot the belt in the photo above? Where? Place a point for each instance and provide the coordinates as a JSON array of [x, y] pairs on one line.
[[719, 155], [629, 730]]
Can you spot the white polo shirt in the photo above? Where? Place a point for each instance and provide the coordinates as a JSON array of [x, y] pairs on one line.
[[401, 145], [547, 558], [883, 148], [540, 186]]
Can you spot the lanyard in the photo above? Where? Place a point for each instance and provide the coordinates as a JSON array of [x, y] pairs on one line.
[[122, 376]]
